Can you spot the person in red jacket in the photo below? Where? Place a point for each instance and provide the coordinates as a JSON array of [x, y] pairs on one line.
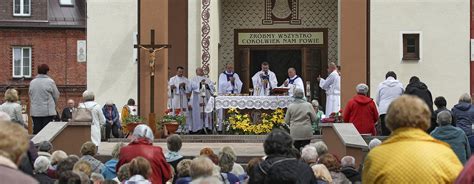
[[361, 111], [142, 146]]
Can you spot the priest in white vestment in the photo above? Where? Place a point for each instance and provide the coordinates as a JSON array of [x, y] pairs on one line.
[[202, 88], [293, 82], [332, 86], [179, 89], [264, 81], [229, 81]]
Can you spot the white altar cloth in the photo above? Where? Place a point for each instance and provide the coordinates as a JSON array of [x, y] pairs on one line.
[[248, 102]]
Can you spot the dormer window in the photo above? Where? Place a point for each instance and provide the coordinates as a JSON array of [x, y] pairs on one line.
[[66, 2], [21, 7]]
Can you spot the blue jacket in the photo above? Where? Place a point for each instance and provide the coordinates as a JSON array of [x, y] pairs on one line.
[[464, 114], [456, 138], [115, 115], [109, 171]]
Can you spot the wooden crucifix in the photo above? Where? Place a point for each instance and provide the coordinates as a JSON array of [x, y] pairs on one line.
[[152, 49]]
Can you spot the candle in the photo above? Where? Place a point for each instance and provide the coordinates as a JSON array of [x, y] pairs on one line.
[[203, 89], [308, 88]]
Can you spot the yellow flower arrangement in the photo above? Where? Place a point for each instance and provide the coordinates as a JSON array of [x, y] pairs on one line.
[[242, 123]]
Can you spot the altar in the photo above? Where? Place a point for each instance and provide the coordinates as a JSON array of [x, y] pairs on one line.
[[248, 102]]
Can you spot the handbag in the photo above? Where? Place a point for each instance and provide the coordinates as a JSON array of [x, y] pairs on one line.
[[81, 115]]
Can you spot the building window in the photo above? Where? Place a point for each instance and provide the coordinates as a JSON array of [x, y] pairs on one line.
[[21, 7], [21, 62], [66, 2], [411, 46]]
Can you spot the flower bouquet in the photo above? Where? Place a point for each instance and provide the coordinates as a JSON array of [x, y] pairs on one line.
[[335, 117], [171, 121]]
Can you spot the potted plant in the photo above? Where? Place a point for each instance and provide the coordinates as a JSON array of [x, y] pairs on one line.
[[171, 122], [132, 121]]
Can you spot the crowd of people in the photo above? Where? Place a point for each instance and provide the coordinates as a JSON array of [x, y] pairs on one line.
[[420, 157]]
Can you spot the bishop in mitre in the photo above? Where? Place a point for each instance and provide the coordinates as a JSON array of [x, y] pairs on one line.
[[202, 89], [293, 82], [264, 81], [179, 89]]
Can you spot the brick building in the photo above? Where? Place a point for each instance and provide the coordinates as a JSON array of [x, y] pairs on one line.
[[43, 32]]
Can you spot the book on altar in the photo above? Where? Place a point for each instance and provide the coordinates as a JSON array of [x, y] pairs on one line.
[[280, 90]]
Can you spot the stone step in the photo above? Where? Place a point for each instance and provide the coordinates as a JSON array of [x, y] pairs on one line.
[[215, 139]]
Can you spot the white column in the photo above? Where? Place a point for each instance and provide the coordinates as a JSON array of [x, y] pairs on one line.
[[194, 36], [214, 22]]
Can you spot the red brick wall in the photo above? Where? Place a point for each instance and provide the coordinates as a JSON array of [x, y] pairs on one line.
[[55, 47]]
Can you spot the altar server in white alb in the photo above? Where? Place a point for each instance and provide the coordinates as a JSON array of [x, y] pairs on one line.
[[293, 82], [332, 86], [179, 89], [202, 88], [229, 81], [264, 81]]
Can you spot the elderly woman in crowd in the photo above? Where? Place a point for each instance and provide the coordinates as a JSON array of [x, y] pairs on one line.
[[280, 165], [374, 142], [183, 172], [109, 171], [139, 171], [300, 115], [41, 167], [98, 118], [12, 107], [322, 174], [321, 147], [226, 163], [463, 112], [123, 174], [349, 170], [56, 157], [84, 167], [44, 97], [142, 145], [112, 119], [334, 167], [419, 157], [361, 111], [88, 151], [14, 143], [319, 114], [309, 155], [454, 136], [174, 144], [237, 169], [208, 152], [201, 167], [44, 149]]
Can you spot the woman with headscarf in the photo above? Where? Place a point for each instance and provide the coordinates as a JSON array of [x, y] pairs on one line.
[[142, 145], [300, 115]]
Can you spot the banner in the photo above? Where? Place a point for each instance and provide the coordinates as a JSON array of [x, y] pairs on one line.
[[281, 38]]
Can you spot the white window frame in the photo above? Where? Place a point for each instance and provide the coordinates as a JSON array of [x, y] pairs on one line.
[[69, 3], [421, 46], [22, 8], [21, 62]]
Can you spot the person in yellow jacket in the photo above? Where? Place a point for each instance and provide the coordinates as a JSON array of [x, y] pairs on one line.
[[410, 155], [128, 110]]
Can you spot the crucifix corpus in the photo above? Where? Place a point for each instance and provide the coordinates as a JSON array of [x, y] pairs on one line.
[[152, 49]]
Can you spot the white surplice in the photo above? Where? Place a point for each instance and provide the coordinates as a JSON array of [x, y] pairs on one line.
[[293, 83], [332, 86], [226, 87], [178, 96], [199, 118], [259, 88]]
